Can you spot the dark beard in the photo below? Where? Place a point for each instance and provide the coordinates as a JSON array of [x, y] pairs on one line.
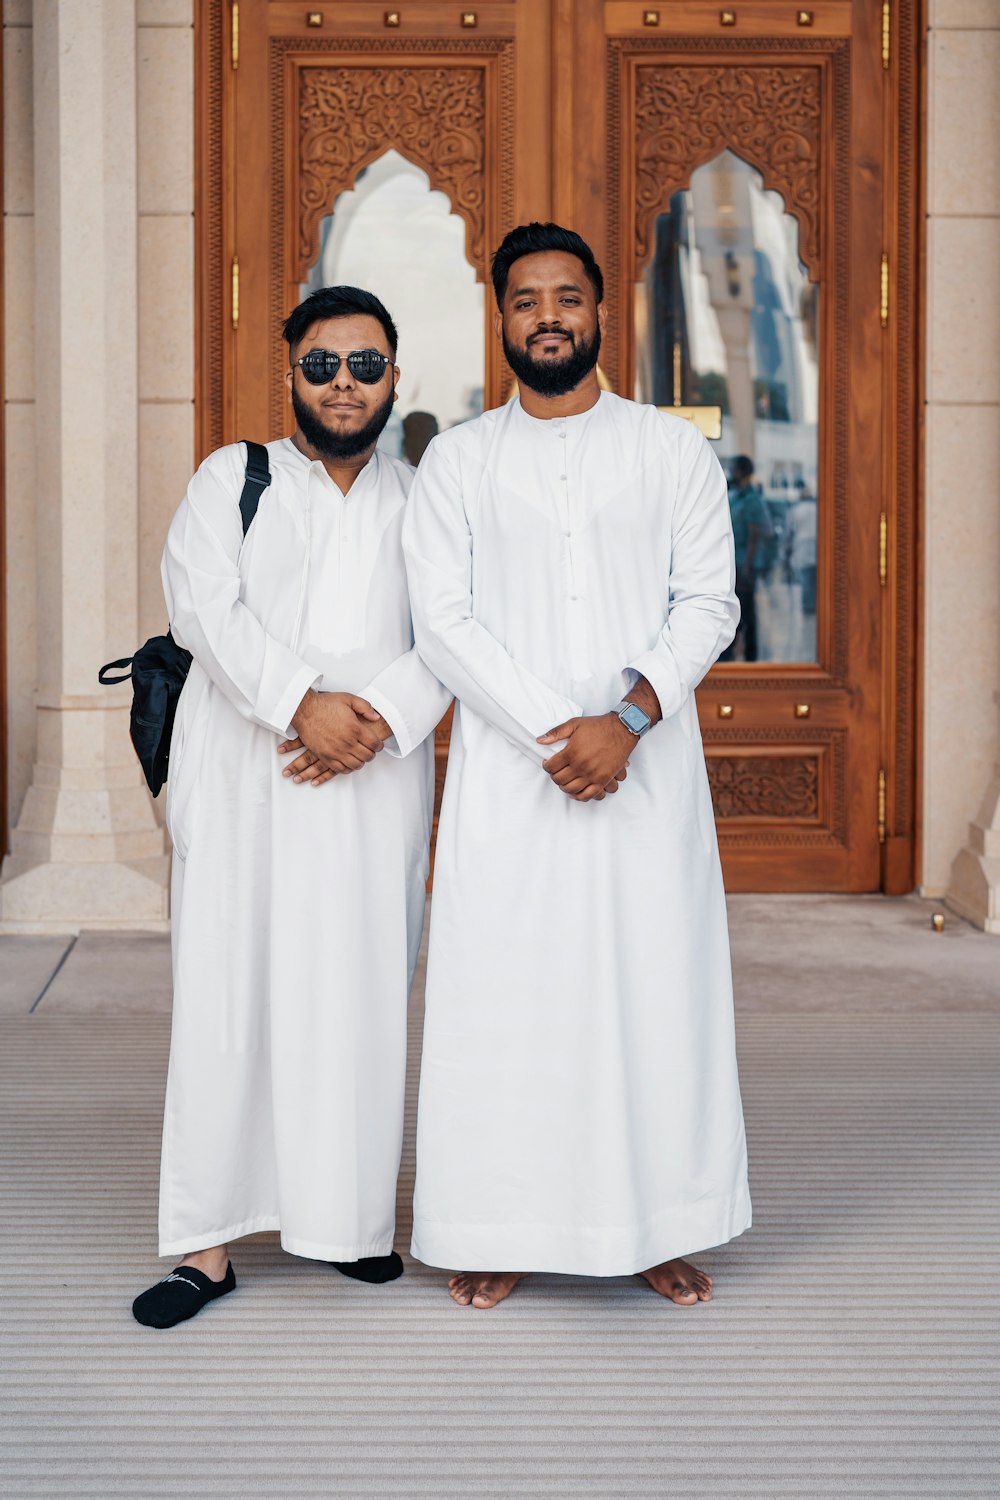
[[332, 444], [554, 377]]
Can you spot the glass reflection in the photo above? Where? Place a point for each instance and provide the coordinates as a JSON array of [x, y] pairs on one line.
[[726, 316], [395, 236]]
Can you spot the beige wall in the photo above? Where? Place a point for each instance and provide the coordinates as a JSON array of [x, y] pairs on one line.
[[19, 382], [165, 82], [962, 502]]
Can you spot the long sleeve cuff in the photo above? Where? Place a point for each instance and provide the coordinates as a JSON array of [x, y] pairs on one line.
[[279, 715], [402, 739], [663, 679]]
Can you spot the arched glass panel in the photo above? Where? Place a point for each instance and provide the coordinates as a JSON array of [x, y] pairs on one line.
[[393, 235], [726, 317]]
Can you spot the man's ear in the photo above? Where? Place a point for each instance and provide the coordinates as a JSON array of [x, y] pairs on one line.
[[498, 325], [288, 382], [602, 316]]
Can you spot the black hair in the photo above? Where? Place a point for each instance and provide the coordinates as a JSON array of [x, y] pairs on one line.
[[337, 302], [743, 466], [529, 239]]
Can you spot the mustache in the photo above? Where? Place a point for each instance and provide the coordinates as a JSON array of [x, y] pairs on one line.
[[548, 332]]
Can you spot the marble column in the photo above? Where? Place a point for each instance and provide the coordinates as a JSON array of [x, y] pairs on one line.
[[974, 890], [961, 763], [87, 850]]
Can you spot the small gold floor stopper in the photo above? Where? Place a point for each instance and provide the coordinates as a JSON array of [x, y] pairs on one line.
[[937, 921]]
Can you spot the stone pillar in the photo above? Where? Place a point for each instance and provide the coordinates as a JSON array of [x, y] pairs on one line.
[[961, 586], [974, 889], [87, 850]]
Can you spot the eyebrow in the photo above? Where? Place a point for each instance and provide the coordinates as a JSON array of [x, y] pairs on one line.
[[567, 286]]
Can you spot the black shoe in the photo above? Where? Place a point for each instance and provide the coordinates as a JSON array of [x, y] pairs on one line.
[[179, 1296], [373, 1268]]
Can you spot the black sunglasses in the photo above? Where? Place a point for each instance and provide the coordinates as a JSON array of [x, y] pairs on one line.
[[320, 366]]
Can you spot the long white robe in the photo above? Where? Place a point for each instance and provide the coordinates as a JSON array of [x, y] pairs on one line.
[[296, 910], [579, 1100]]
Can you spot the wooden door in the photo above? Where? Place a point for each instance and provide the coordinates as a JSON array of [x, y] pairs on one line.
[[644, 127]]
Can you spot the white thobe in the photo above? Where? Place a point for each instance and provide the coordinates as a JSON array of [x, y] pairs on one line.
[[296, 910], [579, 1100]]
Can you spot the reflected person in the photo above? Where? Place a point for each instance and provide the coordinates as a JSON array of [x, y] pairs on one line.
[[418, 429], [800, 533], [752, 534]]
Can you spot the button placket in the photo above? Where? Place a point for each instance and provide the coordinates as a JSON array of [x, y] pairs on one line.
[[576, 624]]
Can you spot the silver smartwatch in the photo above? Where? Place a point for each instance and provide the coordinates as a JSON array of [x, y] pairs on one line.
[[633, 718]]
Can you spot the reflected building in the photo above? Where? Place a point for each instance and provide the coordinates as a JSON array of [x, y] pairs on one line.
[[726, 316]]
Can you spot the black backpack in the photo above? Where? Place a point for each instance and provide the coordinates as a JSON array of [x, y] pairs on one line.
[[160, 667]]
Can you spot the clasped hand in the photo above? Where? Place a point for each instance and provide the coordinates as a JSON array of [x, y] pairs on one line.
[[336, 733], [594, 760]]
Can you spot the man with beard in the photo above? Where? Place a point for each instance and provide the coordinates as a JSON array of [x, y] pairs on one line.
[[296, 912], [571, 578]]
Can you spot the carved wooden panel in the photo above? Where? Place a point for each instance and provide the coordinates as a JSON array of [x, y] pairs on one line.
[[771, 116], [778, 787], [435, 116], [764, 786]]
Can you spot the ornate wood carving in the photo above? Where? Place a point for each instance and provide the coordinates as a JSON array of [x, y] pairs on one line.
[[433, 115], [775, 775], [769, 115], [759, 786]]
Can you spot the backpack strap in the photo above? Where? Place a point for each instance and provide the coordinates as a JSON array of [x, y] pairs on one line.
[[258, 477], [104, 675]]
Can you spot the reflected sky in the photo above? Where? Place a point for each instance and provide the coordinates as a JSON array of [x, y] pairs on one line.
[[397, 237]]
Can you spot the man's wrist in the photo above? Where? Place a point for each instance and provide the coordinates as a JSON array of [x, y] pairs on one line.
[[643, 695], [304, 711]]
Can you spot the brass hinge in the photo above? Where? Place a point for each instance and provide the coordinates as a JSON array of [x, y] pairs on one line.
[[234, 32], [883, 548], [883, 298], [886, 33], [881, 807], [235, 289]]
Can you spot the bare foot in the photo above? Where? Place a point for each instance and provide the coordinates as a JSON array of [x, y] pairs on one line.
[[680, 1281], [483, 1288], [213, 1262]]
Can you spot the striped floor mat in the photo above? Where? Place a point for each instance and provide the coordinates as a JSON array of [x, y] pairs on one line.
[[851, 1349]]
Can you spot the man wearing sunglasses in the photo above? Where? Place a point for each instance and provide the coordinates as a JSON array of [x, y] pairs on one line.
[[299, 805], [571, 574]]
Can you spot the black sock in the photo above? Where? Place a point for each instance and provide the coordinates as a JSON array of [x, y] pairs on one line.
[[179, 1296], [373, 1268]]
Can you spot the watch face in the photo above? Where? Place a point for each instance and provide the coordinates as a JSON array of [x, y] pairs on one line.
[[634, 718]]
